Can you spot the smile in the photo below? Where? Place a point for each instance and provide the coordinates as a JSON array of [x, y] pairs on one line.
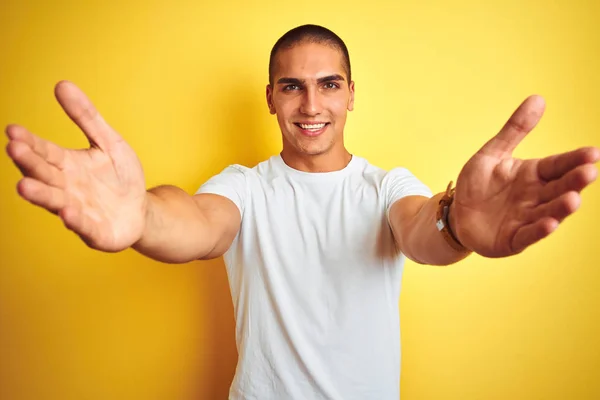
[[314, 129]]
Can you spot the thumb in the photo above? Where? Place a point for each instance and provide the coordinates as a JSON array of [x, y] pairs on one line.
[[521, 122], [81, 111]]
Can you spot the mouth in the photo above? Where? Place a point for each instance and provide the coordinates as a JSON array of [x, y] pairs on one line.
[[312, 129]]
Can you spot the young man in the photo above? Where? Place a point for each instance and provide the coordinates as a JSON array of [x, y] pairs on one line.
[[314, 239]]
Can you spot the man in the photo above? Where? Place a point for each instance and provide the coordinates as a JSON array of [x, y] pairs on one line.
[[314, 239]]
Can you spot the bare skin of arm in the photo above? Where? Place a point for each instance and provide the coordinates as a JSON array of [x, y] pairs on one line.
[[100, 194], [502, 204], [180, 228]]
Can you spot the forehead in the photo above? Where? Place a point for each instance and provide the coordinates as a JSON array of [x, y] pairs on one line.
[[308, 61]]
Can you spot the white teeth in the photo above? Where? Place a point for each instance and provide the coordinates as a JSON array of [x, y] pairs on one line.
[[312, 126]]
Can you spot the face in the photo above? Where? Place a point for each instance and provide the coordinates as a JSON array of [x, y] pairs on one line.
[[311, 97]]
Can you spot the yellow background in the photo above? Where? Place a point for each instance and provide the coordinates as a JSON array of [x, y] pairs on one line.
[[184, 83]]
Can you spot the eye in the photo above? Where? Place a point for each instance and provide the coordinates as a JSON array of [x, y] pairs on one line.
[[291, 87], [331, 85]]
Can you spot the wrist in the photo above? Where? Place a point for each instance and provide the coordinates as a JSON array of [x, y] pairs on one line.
[[452, 223], [147, 212], [446, 220]]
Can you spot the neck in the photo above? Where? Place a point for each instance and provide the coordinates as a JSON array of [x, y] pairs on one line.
[[333, 160]]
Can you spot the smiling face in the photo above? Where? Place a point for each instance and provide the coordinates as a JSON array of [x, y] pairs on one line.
[[311, 97]]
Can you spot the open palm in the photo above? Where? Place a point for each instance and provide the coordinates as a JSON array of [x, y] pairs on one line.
[[503, 204], [99, 192]]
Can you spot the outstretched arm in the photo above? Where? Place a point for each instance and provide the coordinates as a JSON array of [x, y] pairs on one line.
[[502, 204], [180, 228], [99, 193], [413, 223]]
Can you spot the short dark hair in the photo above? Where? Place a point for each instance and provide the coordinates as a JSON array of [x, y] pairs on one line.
[[310, 34]]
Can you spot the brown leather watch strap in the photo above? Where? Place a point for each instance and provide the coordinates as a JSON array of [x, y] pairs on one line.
[[442, 220]]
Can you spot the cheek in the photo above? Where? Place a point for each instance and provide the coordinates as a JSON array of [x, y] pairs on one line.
[[339, 107], [285, 110], [284, 117]]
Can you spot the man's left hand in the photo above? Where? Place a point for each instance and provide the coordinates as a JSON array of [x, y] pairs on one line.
[[502, 204]]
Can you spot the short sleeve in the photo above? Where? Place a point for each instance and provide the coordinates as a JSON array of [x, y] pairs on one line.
[[230, 183], [399, 183]]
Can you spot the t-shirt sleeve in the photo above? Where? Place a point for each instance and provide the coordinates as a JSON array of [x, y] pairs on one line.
[[400, 183], [230, 183]]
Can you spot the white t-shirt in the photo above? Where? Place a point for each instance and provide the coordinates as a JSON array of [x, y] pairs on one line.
[[315, 279]]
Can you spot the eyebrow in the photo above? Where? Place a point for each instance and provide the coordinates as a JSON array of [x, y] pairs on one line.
[[296, 81]]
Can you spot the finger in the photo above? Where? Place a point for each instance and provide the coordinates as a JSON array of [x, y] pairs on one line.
[[574, 180], [40, 194], [559, 208], [553, 167], [81, 110], [532, 233], [32, 165], [521, 122], [49, 151]]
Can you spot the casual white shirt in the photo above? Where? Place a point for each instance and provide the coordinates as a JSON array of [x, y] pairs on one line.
[[315, 279]]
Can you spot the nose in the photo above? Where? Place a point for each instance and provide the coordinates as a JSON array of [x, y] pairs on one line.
[[311, 102]]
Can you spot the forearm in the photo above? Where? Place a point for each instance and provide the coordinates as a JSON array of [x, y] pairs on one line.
[[422, 242], [176, 230]]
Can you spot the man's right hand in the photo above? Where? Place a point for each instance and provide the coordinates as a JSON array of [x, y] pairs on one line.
[[99, 192]]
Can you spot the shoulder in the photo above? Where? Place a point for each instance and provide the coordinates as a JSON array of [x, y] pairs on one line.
[[239, 170], [368, 171], [380, 175], [396, 182]]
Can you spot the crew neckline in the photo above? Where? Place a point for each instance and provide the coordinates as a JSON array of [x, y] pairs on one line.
[[316, 175]]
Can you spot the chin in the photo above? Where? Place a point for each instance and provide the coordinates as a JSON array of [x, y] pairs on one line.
[[309, 147], [314, 150]]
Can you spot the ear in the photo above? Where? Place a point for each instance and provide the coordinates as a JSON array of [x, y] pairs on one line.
[[270, 100], [351, 100]]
